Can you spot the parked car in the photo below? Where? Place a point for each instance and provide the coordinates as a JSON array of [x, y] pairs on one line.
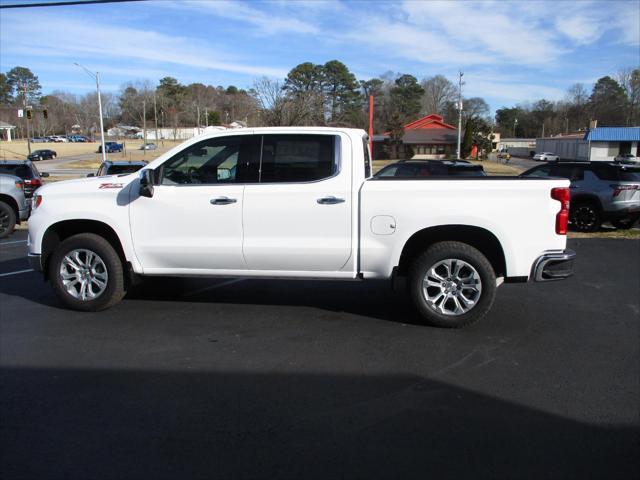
[[600, 191], [431, 168], [58, 139], [110, 147], [118, 168], [14, 207], [78, 139], [38, 140], [25, 170], [626, 158], [506, 156], [299, 203], [148, 146], [546, 157], [37, 155]]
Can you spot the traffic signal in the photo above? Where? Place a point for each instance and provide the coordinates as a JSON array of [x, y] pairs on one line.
[[29, 115], [45, 113]]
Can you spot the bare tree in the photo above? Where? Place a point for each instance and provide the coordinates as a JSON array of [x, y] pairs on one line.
[[438, 92], [629, 80], [280, 109]]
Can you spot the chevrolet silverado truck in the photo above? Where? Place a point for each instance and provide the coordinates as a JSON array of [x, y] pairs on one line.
[[299, 203]]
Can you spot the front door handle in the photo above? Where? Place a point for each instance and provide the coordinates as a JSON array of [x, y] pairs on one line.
[[222, 201], [331, 200]]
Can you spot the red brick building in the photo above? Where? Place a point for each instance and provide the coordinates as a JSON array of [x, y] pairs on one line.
[[430, 137]]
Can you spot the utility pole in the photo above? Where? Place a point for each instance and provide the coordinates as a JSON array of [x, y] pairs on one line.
[[460, 83], [26, 116], [97, 77], [198, 121], [206, 116], [155, 115], [144, 127]]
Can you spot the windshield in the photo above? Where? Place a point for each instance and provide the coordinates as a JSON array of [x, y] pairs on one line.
[[118, 169]]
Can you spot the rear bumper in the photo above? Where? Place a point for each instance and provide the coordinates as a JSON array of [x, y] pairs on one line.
[[553, 265], [24, 214]]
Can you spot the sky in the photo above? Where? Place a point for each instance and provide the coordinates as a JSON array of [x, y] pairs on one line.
[[510, 51]]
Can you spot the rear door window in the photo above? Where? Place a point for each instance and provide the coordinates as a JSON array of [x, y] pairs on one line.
[[298, 158]]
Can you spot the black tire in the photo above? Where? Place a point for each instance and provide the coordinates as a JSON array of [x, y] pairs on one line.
[[585, 217], [461, 253], [7, 220], [625, 223], [111, 264]]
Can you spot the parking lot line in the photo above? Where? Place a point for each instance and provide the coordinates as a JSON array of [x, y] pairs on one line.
[[16, 273], [11, 243]]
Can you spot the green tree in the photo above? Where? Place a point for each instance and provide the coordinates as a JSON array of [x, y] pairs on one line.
[[340, 88], [6, 95], [304, 78], [608, 102], [467, 138], [406, 96], [20, 77], [214, 118]]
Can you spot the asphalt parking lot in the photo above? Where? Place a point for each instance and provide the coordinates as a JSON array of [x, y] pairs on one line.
[[275, 379]]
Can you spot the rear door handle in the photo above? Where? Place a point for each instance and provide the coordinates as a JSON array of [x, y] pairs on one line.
[[331, 200], [222, 201]]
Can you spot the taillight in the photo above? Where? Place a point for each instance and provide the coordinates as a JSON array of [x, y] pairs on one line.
[[36, 201], [34, 182], [617, 189], [562, 217]]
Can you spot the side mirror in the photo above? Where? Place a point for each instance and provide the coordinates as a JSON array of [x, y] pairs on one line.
[[44, 174], [91, 175], [146, 183]]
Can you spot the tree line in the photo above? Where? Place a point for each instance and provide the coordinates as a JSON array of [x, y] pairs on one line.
[[320, 94], [612, 102]]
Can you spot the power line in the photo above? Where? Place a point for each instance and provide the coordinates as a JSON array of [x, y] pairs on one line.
[[64, 3]]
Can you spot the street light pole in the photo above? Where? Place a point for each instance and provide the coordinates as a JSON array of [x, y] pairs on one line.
[[460, 83], [97, 78]]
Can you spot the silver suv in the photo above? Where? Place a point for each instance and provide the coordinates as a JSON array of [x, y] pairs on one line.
[[13, 204], [600, 191]]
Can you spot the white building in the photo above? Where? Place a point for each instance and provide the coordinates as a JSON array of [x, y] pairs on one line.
[[601, 144], [5, 131]]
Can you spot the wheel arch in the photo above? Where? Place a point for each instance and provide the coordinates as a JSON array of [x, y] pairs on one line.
[[480, 238], [586, 198], [62, 230]]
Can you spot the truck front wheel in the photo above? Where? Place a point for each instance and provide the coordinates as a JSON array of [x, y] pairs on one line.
[[86, 273], [452, 284]]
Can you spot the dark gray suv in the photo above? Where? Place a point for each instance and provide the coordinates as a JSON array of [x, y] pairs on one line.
[[600, 191]]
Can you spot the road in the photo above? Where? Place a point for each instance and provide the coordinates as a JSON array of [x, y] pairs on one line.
[[278, 379]]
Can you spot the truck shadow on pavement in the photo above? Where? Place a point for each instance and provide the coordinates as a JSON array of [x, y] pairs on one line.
[[134, 424]]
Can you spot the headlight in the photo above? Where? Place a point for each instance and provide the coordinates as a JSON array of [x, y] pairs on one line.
[[35, 202]]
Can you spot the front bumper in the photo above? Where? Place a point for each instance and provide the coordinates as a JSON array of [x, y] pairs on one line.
[[553, 265], [35, 261]]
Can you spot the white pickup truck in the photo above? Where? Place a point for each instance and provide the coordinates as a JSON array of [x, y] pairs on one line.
[[299, 203]]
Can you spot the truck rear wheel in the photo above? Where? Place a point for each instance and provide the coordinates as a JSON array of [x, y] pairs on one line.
[[452, 284], [86, 273]]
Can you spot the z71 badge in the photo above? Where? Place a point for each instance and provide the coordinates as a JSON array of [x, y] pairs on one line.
[[110, 185]]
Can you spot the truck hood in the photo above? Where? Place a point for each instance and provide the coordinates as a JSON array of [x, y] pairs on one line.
[[113, 183]]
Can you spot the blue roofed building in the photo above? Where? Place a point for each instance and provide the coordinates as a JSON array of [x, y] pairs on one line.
[[600, 144]]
